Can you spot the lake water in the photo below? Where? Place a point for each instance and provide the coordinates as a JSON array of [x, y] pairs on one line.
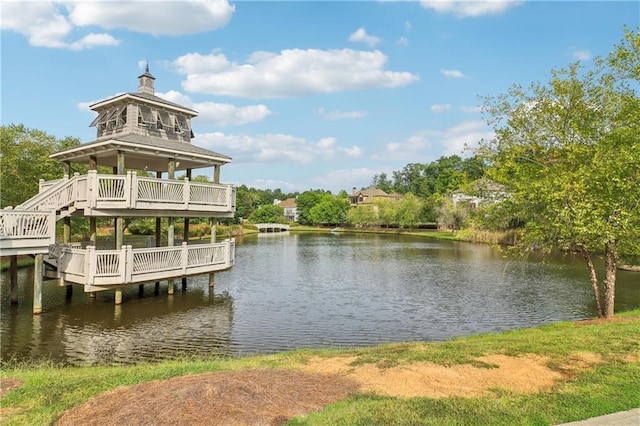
[[307, 290]]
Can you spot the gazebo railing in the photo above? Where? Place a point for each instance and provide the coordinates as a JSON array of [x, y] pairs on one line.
[[26, 231], [102, 191], [128, 265]]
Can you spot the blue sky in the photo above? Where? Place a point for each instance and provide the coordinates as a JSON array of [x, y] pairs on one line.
[[302, 95]]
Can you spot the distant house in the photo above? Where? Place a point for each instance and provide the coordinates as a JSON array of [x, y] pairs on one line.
[[480, 192], [369, 196], [290, 209]]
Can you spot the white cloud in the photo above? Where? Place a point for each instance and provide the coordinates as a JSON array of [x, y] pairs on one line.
[[341, 115], [195, 63], [290, 73], [464, 9], [403, 41], [414, 147], [465, 135], [217, 113], [55, 24], [581, 54], [360, 35], [276, 148], [438, 108], [159, 18], [452, 73], [452, 140], [407, 26]]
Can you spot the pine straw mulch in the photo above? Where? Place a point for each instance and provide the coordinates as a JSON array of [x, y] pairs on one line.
[[253, 397]]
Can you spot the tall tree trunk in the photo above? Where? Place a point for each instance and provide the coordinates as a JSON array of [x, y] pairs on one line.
[[594, 281], [611, 266]]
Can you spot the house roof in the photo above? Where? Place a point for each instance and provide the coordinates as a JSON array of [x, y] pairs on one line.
[[143, 97], [373, 192], [288, 203]]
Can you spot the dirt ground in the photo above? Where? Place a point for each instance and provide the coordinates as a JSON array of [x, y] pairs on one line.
[[271, 397]]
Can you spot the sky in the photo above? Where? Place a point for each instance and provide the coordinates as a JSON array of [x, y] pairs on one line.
[[300, 94]]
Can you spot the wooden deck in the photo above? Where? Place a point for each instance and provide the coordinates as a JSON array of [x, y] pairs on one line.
[[107, 269]]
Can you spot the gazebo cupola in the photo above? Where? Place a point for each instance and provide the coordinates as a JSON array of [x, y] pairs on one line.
[[149, 130], [146, 82]]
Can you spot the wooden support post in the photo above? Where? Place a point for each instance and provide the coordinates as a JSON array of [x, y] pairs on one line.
[[157, 288], [37, 284], [92, 295], [66, 167], [184, 283], [216, 173], [140, 290], [66, 230], [14, 280], [118, 298], [212, 279], [69, 292], [93, 234]]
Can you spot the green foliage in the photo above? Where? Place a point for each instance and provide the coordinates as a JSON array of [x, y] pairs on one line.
[[269, 213], [438, 177], [306, 201], [362, 216], [249, 199], [25, 160], [452, 216], [332, 211], [145, 226]]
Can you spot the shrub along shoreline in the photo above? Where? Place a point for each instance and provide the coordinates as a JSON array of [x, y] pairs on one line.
[[605, 384]]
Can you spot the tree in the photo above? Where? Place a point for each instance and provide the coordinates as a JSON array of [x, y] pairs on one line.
[[569, 152], [409, 211], [268, 213], [331, 211], [382, 182], [306, 201], [25, 160], [452, 215]]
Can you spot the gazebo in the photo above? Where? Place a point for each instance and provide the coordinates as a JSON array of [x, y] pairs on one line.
[[144, 140]]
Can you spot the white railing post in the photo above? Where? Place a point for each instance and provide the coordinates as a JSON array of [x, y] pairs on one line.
[[92, 188], [186, 193], [184, 258], [127, 190], [89, 265], [133, 190], [40, 183], [127, 259], [122, 264], [52, 227]]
